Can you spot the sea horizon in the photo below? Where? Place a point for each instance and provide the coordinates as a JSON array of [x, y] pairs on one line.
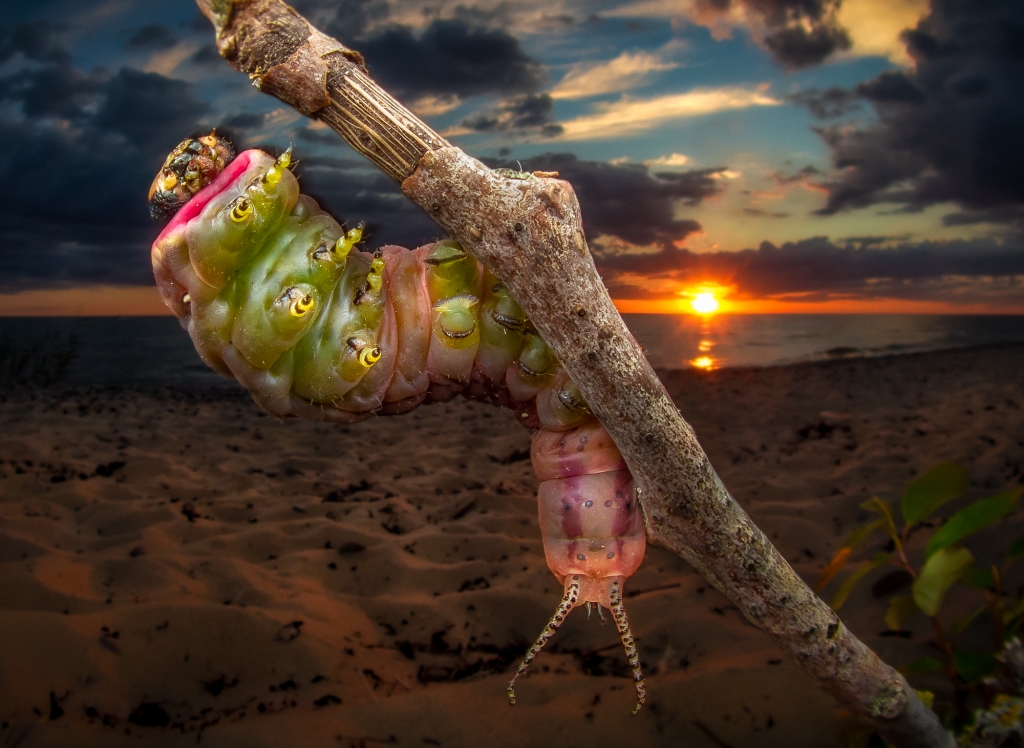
[[154, 350]]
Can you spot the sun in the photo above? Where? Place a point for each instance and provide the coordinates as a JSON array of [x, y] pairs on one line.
[[704, 303]]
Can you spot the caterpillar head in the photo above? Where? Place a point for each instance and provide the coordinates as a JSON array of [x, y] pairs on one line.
[[192, 165]]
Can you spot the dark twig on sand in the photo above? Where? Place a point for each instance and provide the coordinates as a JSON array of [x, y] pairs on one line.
[[527, 229]]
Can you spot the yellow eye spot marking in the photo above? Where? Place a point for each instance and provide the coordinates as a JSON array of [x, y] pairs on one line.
[[301, 306], [242, 210], [186, 299], [299, 302], [369, 356]]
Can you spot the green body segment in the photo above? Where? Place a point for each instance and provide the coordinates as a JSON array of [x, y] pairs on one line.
[[272, 291]]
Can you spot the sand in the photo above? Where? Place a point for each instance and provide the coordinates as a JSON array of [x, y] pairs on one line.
[[178, 568]]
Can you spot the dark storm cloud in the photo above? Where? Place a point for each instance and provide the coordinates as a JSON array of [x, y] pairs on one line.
[[52, 91], [39, 40], [828, 104], [207, 55], [353, 191], [79, 153], [529, 112], [245, 121], [950, 128], [151, 36], [345, 20], [820, 265], [799, 33], [149, 108], [450, 57], [626, 201]]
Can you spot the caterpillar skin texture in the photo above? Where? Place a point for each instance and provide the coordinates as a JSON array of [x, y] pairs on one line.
[[273, 292]]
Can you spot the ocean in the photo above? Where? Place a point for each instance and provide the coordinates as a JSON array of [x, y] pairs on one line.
[[156, 351]]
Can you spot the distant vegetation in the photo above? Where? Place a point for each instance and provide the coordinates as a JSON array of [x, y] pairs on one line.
[[986, 684], [40, 362]]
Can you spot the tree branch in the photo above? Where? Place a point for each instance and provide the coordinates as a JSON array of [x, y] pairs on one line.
[[529, 233]]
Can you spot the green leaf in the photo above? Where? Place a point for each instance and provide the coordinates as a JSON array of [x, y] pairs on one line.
[[843, 554], [928, 492], [901, 607], [974, 666], [960, 624], [1017, 549], [851, 581], [983, 579], [924, 665], [977, 516], [862, 533], [876, 505], [1014, 612], [938, 575]]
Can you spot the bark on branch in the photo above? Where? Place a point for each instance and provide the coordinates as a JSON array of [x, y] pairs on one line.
[[529, 232]]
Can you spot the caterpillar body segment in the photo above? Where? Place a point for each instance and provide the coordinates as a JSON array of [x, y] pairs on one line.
[[274, 292], [593, 530]]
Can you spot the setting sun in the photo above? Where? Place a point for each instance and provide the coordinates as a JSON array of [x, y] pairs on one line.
[[704, 303]]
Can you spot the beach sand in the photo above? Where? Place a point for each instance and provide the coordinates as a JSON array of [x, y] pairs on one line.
[[177, 568]]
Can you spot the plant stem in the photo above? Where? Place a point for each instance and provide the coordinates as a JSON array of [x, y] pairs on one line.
[[529, 233], [947, 649]]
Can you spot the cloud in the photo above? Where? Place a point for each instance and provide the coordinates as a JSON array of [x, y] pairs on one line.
[[80, 151], [671, 161], [151, 36], [628, 70], [629, 115], [450, 57], [875, 25], [626, 201], [39, 40], [948, 130], [346, 20], [829, 103], [529, 112], [432, 105], [148, 108], [797, 33], [353, 191]]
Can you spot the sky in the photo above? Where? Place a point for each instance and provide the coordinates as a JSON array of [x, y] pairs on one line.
[[785, 155]]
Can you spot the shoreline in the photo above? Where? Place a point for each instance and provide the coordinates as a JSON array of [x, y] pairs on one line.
[[157, 546], [155, 350]]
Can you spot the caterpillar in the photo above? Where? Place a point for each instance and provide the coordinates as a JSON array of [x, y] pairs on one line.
[[274, 292]]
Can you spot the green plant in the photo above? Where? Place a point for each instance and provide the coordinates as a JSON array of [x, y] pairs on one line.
[[945, 562]]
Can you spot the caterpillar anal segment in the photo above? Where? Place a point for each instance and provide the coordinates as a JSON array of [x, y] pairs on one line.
[[276, 293]]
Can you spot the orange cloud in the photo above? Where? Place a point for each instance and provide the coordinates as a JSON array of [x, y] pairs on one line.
[[829, 306], [87, 301]]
